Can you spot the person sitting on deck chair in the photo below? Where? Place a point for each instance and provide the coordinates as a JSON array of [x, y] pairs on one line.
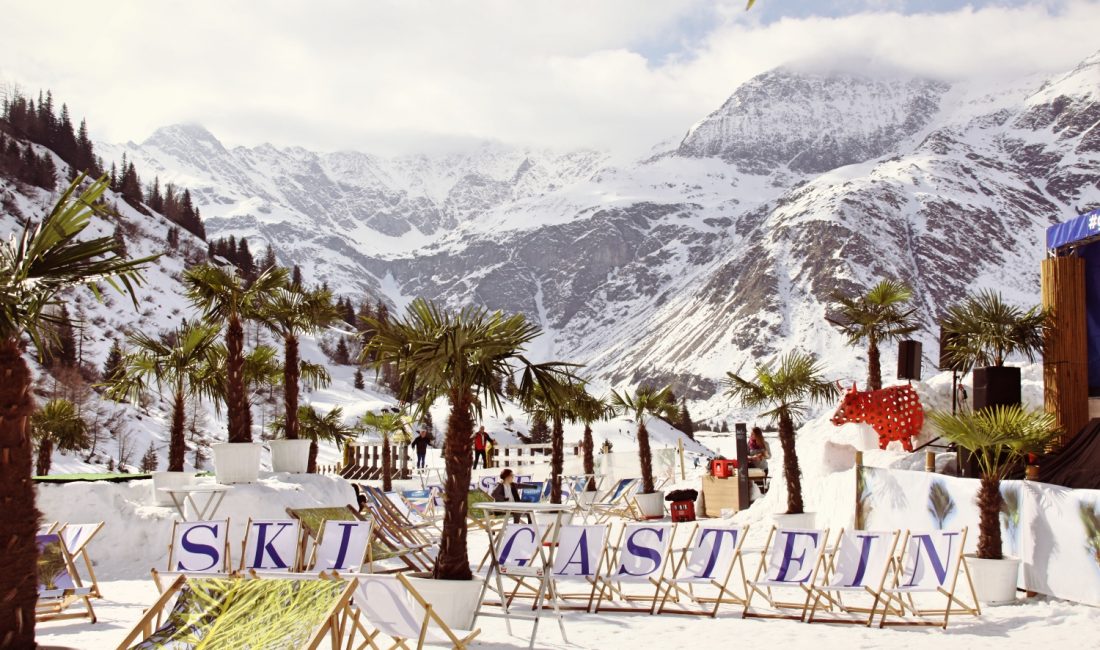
[[482, 440], [420, 443], [758, 450], [508, 490]]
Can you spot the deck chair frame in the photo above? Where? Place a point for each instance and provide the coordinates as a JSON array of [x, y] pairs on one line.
[[611, 585], [51, 606], [832, 597], [226, 562], [296, 560], [677, 585], [556, 579], [617, 502], [430, 620], [778, 606], [334, 626], [900, 603], [81, 551]]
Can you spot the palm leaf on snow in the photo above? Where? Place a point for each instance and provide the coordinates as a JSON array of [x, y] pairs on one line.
[[1090, 517]]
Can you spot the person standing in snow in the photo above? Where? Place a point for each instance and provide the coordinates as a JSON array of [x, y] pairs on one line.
[[420, 444], [482, 440]]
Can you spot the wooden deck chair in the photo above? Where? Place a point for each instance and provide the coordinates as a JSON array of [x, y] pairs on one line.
[[929, 567], [76, 538], [791, 560], [703, 572], [271, 545], [398, 544], [641, 557], [246, 613], [384, 509], [343, 546], [392, 606], [411, 514], [617, 502], [199, 548], [579, 559], [519, 544], [312, 522], [857, 567], [59, 584], [47, 527]]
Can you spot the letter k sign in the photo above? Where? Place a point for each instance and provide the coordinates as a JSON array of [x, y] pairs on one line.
[[275, 542]]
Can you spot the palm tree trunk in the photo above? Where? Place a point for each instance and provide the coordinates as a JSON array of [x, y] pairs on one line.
[[453, 562], [311, 466], [45, 457], [645, 458], [874, 366], [791, 473], [236, 396], [557, 459], [387, 464], [19, 523], [589, 457], [990, 502], [177, 446], [291, 370]]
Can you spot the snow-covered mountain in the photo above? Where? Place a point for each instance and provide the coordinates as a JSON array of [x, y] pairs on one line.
[[718, 252]]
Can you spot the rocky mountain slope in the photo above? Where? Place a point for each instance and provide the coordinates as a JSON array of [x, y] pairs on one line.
[[714, 254]]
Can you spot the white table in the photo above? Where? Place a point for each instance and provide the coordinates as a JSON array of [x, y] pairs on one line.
[[184, 494], [539, 568]]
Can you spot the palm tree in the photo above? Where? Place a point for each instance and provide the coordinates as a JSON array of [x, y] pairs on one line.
[[588, 409], [876, 316], [458, 355], [289, 313], [646, 402], [35, 268], [316, 428], [998, 437], [786, 390], [57, 424], [539, 405], [224, 296], [984, 330], [388, 425], [185, 361]]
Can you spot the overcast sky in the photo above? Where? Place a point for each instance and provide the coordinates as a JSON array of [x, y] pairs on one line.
[[410, 75]]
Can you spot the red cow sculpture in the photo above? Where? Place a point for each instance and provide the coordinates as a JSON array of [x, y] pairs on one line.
[[895, 413]]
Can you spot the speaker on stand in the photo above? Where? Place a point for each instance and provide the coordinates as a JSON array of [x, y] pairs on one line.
[[909, 360]]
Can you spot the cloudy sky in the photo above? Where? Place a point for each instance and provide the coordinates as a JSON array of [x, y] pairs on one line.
[[409, 75]]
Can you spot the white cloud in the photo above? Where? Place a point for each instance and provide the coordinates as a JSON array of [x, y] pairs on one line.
[[410, 75]]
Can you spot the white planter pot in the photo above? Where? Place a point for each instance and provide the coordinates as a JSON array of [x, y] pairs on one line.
[[236, 462], [169, 480], [803, 520], [994, 580], [455, 601], [289, 456], [652, 505]]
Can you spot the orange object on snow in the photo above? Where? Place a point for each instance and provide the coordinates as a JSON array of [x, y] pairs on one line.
[[895, 413]]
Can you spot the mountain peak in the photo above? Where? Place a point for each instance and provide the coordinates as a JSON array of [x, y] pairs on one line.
[[175, 135], [813, 121]]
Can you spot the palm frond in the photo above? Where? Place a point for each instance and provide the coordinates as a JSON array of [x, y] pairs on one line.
[[997, 436], [984, 330]]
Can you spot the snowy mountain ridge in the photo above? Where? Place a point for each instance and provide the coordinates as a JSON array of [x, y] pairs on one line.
[[713, 254]]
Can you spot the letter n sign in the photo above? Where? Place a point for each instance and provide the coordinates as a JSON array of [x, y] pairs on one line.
[[272, 545]]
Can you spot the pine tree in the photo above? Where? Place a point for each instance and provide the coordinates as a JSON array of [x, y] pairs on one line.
[[381, 311], [154, 199], [725, 427], [112, 367], [365, 312], [683, 420], [359, 383], [342, 355], [349, 313], [269, 260], [114, 177], [120, 241], [149, 460], [540, 429], [65, 352], [130, 186], [296, 277], [173, 237], [510, 388]]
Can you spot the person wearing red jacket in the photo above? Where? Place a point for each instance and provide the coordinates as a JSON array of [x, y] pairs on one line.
[[482, 440]]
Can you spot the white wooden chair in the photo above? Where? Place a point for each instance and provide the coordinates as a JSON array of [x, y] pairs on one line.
[[199, 548], [929, 569], [790, 562], [641, 559], [59, 585], [579, 560], [858, 567], [76, 538], [271, 545], [392, 606], [704, 570]]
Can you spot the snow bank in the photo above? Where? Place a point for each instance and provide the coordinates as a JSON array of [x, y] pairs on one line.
[[137, 534]]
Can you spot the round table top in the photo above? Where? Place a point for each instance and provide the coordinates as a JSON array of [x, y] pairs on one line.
[[197, 487], [523, 506]]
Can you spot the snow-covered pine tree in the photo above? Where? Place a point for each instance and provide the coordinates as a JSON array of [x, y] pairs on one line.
[[683, 420], [112, 367], [149, 460], [342, 356]]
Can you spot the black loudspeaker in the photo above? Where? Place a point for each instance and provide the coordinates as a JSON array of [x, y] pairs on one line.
[[996, 386], [742, 445], [909, 362], [945, 341]]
